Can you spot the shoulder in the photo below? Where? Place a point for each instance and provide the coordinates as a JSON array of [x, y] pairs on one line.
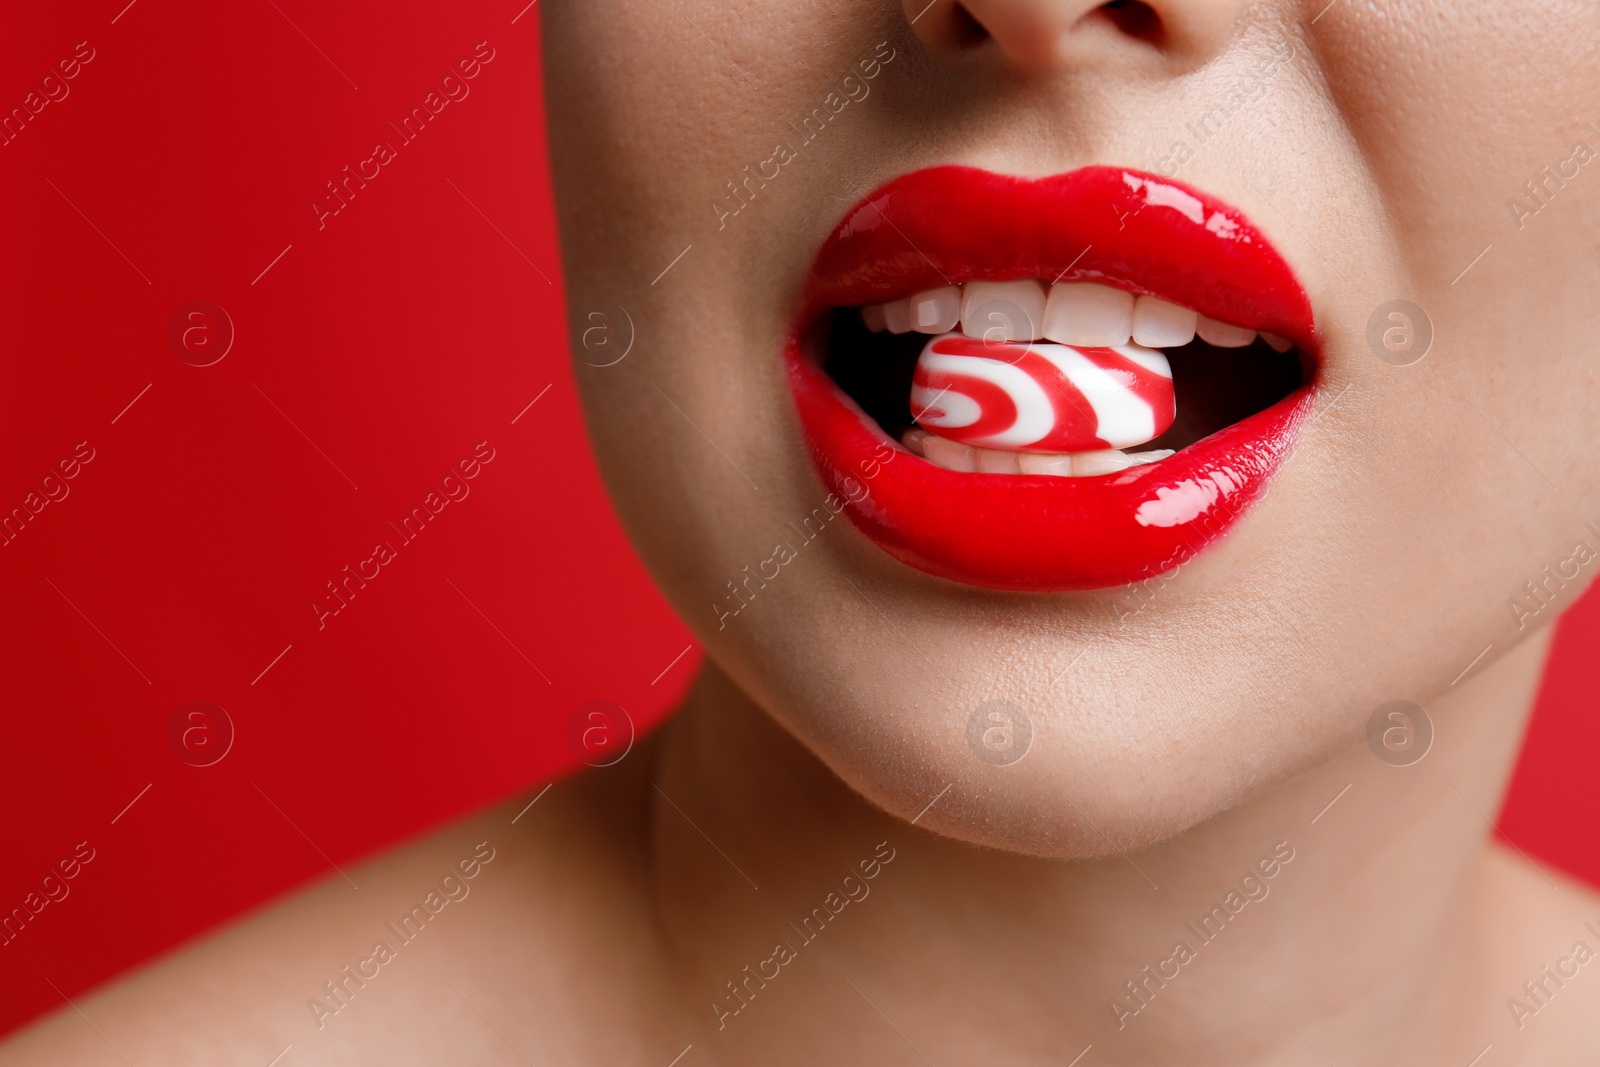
[[484, 939]]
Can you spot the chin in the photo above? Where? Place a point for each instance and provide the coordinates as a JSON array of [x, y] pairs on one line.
[[1037, 728]]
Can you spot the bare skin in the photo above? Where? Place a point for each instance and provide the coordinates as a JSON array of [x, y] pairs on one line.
[[1203, 758], [606, 925]]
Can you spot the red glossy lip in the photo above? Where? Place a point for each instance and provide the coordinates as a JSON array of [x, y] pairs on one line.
[[1121, 227]]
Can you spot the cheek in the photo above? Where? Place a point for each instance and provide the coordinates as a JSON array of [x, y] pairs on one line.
[[1482, 455]]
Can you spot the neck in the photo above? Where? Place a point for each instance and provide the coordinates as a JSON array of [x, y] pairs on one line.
[[1356, 868]]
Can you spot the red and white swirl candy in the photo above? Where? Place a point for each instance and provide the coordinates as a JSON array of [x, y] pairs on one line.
[[1040, 396]]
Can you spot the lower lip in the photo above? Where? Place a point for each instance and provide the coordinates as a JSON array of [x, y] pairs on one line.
[[1038, 533]]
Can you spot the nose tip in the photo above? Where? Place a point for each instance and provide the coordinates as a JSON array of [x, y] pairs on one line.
[[1036, 35]]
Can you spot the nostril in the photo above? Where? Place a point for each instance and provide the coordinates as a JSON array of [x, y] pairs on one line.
[[1133, 18], [1033, 33]]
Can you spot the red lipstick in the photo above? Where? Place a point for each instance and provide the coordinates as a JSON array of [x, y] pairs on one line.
[[1118, 227]]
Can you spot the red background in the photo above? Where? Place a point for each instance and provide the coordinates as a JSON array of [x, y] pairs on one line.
[[373, 355]]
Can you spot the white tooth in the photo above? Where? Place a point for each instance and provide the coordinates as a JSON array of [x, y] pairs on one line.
[[1003, 311], [954, 456], [1088, 464], [1160, 324], [1278, 344], [872, 318], [897, 315], [1083, 313], [948, 454], [936, 310], [1223, 334], [1054, 463], [994, 461]]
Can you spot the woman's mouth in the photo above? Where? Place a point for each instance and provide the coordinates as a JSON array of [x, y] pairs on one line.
[[1049, 384]]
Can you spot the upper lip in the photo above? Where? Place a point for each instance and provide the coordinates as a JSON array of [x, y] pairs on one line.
[[1111, 225]]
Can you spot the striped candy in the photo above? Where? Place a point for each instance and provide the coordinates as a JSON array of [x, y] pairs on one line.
[[1040, 396]]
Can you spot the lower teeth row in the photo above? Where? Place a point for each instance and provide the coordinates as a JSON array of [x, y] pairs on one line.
[[955, 456]]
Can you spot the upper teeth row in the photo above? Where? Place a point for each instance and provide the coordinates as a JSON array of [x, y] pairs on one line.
[[1069, 313]]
